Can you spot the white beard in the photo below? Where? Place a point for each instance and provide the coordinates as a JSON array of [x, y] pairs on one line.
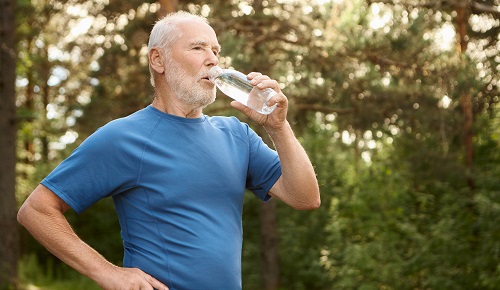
[[186, 90]]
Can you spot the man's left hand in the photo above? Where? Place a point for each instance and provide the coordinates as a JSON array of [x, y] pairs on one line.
[[276, 119]]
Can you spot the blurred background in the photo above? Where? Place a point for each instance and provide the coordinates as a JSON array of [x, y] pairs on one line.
[[396, 103]]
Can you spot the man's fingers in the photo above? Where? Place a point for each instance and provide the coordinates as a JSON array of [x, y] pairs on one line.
[[240, 107], [158, 285], [250, 113], [263, 82], [155, 283]]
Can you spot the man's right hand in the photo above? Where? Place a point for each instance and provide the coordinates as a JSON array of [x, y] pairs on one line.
[[129, 279]]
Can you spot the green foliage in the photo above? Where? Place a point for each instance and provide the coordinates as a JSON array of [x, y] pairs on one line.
[[44, 276]]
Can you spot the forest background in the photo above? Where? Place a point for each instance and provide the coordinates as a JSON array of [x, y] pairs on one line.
[[396, 103]]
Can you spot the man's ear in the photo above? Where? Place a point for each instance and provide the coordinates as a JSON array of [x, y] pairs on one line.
[[156, 60]]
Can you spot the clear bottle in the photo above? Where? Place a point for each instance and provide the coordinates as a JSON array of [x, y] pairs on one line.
[[236, 85]]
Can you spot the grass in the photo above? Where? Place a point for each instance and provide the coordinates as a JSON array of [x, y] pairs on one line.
[[35, 275]]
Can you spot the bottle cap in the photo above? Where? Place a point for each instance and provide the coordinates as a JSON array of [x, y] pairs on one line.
[[214, 72]]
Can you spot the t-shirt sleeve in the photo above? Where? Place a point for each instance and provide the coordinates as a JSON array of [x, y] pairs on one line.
[[98, 168], [264, 167]]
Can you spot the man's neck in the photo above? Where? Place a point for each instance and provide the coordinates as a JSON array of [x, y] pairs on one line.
[[176, 108]]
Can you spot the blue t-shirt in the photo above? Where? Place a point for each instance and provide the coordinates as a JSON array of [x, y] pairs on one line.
[[178, 187]]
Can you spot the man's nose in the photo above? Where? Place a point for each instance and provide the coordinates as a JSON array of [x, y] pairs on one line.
[[212, 58]]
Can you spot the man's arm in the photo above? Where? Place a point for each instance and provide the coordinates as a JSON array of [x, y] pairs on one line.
[[297, 186], [42, 214]]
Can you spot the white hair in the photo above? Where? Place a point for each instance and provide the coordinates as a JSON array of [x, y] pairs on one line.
[[165, 32]]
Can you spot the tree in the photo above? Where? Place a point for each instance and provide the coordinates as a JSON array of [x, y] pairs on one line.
[[463, 11], [9, 244], [406, 218]]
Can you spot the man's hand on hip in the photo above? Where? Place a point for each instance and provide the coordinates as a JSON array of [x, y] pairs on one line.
[[130, 279]]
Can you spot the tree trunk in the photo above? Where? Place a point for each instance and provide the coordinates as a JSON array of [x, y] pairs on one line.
[[29, 108], [466, 98], [269, 246], [9, 239]]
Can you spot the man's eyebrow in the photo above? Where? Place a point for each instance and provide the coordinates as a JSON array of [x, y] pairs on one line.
[[204, 43]]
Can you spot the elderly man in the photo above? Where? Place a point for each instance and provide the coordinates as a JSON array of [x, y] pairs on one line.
[[177, 177]]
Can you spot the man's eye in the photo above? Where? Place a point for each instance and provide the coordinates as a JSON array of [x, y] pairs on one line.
[[198, 48]]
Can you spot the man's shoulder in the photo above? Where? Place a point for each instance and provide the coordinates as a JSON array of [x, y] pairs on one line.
[[138, 122], [225, 122], [139, 117], [143, 115], [236, 128]]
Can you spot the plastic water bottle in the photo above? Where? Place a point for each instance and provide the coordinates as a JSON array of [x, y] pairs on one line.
[[236, 85]]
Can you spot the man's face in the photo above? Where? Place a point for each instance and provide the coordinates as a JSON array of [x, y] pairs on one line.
[[191, 56]]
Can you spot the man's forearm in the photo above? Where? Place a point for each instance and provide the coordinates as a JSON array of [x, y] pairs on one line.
[[298, 181]]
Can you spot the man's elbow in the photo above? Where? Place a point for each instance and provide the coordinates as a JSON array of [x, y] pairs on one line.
[[21, 215], [315, 200], [317, 203], [314, 204], [24, 214], [310, 204]]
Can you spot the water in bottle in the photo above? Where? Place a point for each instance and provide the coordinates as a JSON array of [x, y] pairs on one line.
[[236, 85]]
